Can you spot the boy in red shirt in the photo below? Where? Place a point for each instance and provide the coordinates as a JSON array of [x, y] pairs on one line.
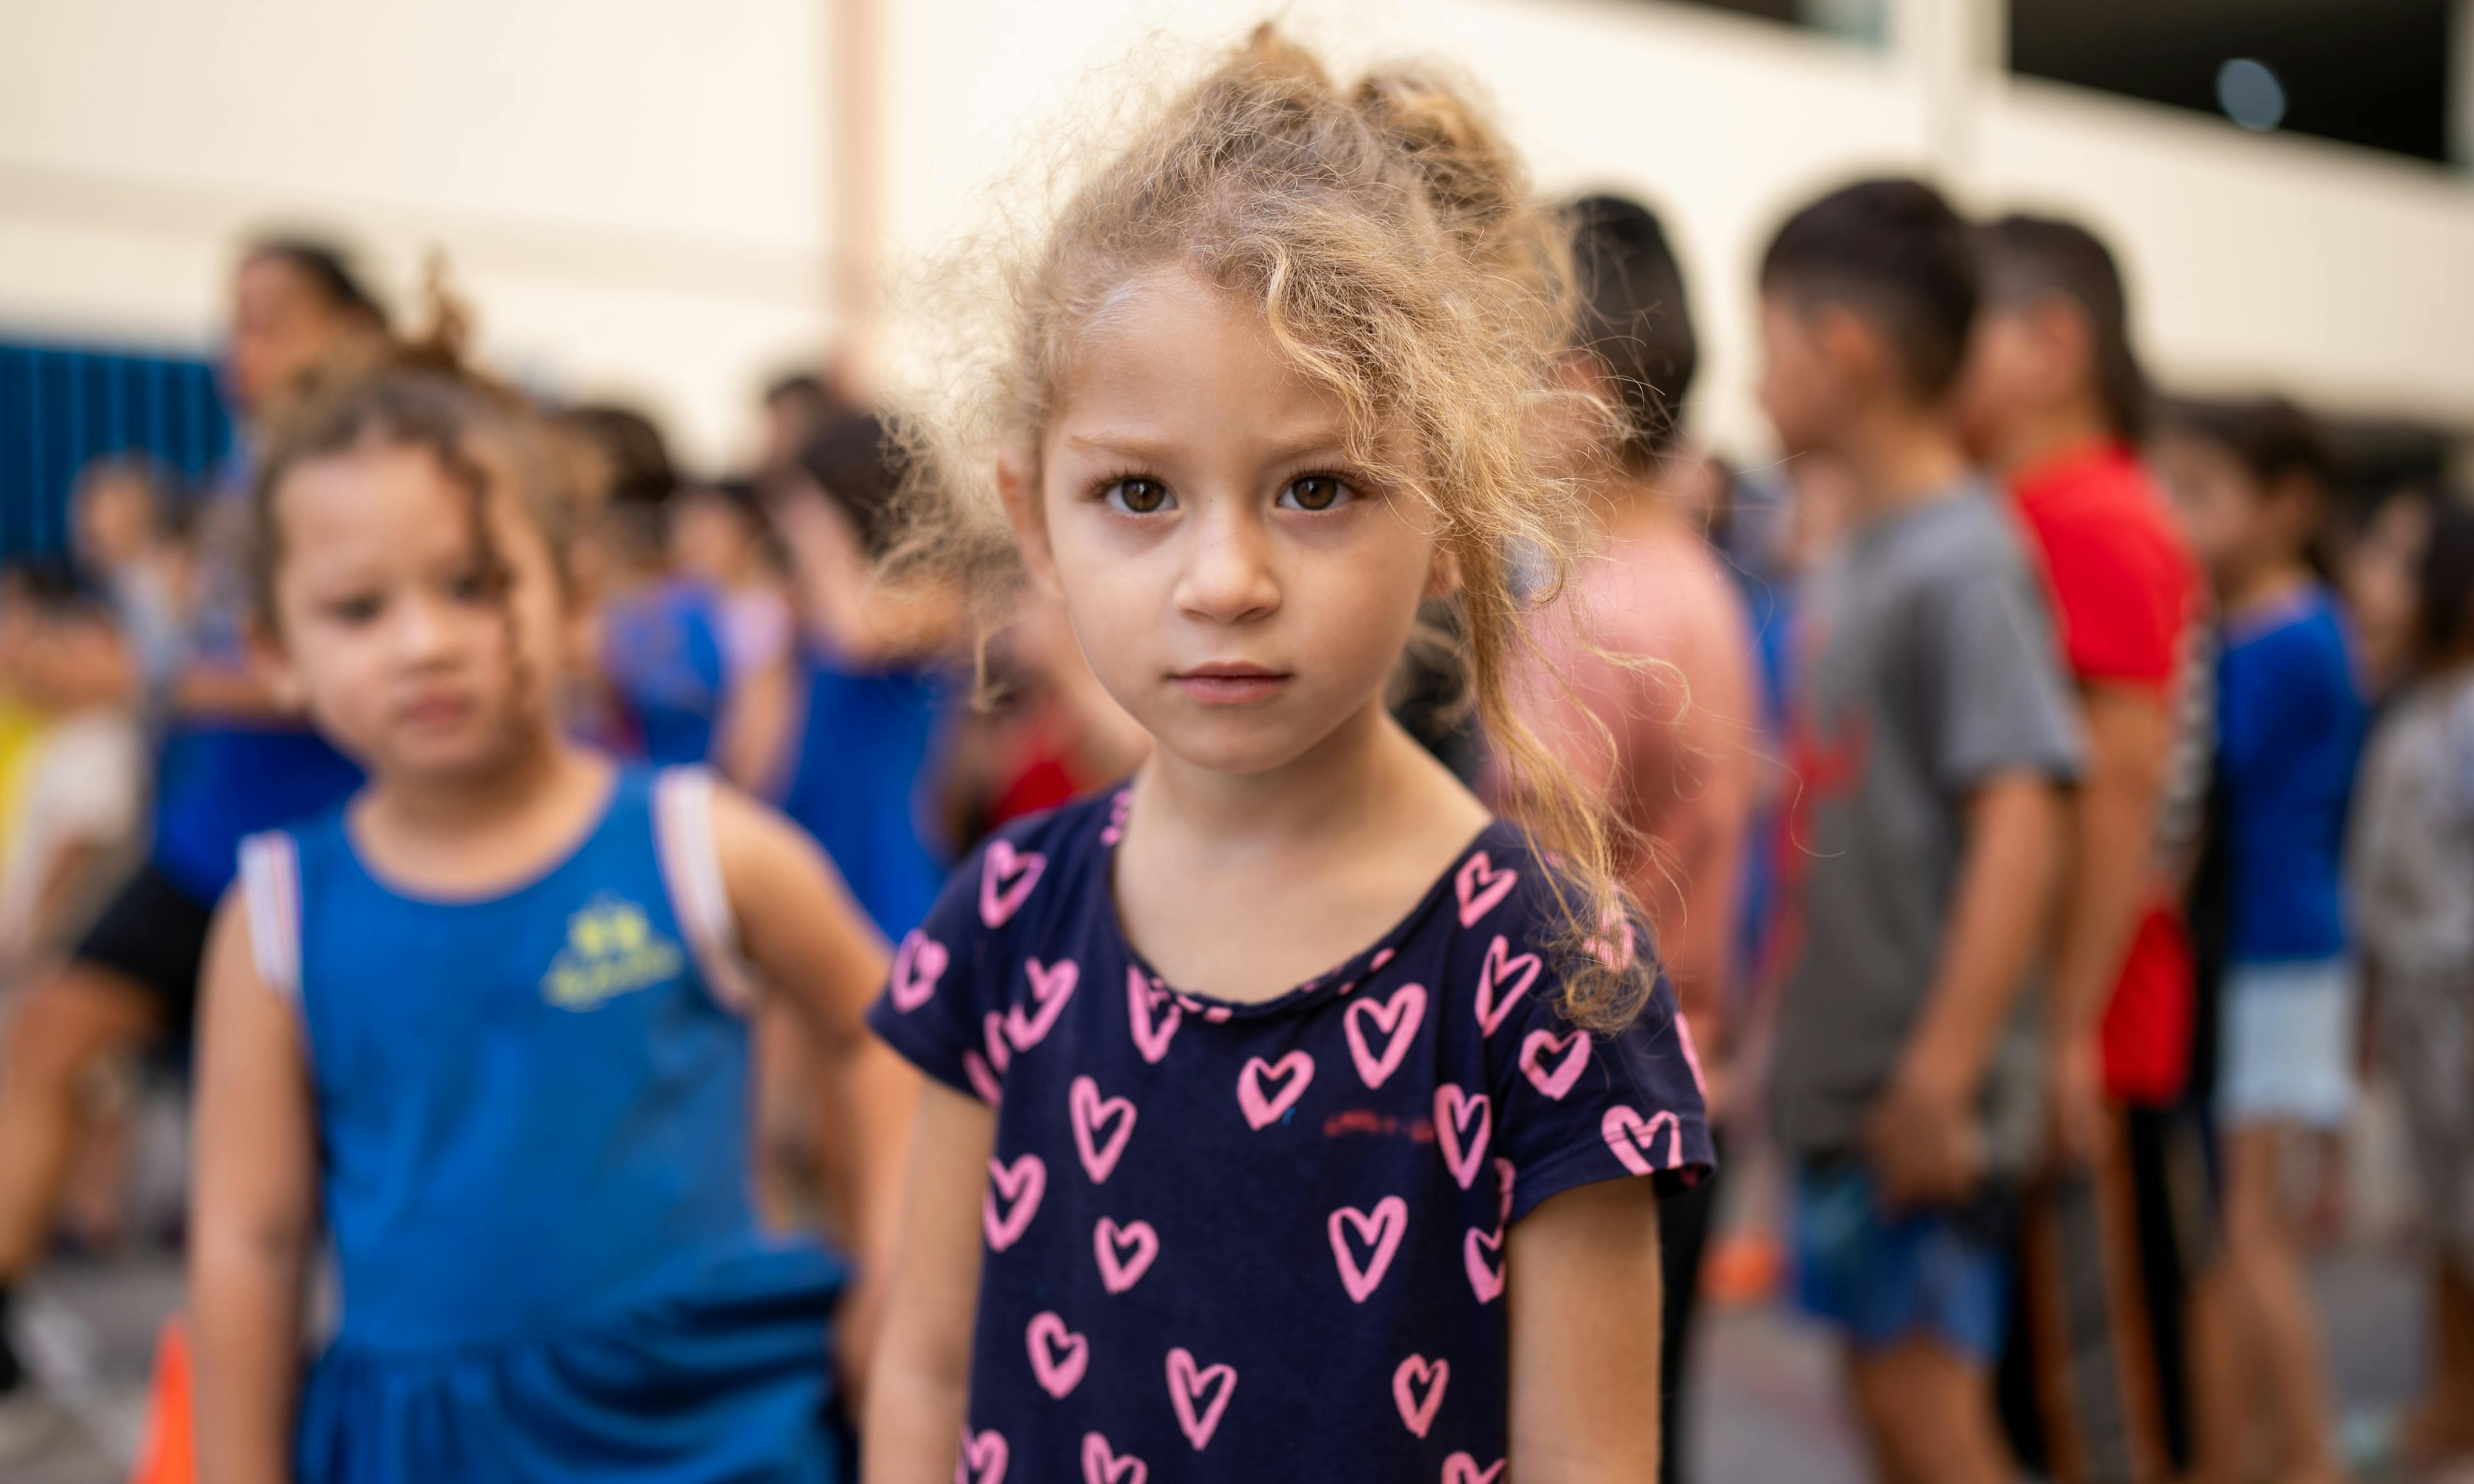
[[2051, 399]]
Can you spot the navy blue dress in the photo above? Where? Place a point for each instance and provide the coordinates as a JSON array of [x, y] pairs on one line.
[[1264, 1241], [532, 1120]]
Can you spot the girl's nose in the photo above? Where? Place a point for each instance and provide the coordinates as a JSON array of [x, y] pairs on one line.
[[425, 630], [1227, 576]]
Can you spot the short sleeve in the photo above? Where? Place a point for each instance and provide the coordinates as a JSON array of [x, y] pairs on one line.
[[1999, 699], [2121, 599], [1578, 1108], [944, 987]]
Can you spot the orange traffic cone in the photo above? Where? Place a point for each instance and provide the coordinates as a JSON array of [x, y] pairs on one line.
[[169, 1454]]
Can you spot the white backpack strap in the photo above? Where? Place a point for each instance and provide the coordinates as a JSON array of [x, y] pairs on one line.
[[270, 873], [691, 869]]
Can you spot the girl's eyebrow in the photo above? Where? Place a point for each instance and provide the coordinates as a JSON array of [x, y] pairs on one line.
[[1316, 444]]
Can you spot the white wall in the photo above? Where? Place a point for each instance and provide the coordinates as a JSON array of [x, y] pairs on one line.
[[636, 192]]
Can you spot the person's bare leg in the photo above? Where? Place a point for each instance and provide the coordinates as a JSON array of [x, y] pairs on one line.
[[2263, 1249], [2219, 1381], [60, 1027], [2442, 1423], [1928, 1410]]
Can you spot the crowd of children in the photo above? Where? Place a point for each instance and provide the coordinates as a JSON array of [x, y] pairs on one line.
[[1346, 805]]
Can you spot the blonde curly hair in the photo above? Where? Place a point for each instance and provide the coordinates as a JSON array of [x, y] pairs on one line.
[[1390, 235]]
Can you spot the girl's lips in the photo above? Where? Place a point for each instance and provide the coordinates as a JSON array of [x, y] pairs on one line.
[[1218, 684]]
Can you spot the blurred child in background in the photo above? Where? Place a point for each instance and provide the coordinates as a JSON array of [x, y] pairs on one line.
[[483, 1024], [2051, 400], [1645, 685], [128, 518], [1933, 733], [2253, 482], [720, 542], [77, 801], [2411, 865]]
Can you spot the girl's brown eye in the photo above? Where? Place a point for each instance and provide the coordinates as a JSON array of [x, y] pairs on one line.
[[1314, 493], [1138, 497]]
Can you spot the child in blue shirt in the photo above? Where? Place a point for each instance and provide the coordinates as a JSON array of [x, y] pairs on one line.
[[485, 1021], [2253, 482]]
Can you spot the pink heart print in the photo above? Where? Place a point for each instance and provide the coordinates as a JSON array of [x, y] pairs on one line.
[[1382, 956], [1186, 1386], [1058, 1356], [1630, 1137], [917, 965], [1021, 1183], [1501, 980], [1118, 808], [1088, 1110], [1612, 942], [1485, 1273], [1480, 886], [1418, 1374], [1463, 1153], [1380, 1232], [1151, 1037], [984, 1082], [992, 1031], [983, 1459], [1397, 1018], [1503, 1174], [1295, 1071], [1051, 986], [1006, 876], [1461, 1468], [1571, 1055], [1110, 1242], [1101, 1464]]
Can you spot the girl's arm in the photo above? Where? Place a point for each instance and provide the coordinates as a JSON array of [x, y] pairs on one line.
[[916, 1411], [802, 932], [1582, 1280], [253, 1206]]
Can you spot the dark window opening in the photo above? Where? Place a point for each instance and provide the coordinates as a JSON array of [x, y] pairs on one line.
[[2367, 72]]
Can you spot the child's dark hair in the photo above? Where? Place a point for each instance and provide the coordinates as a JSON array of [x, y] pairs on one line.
[[2026, 257], [1895, 252], [858, 467], [2447, 621], [329, 269], [2270, 437], [1634, 318], [1390, 239], [636, 457], [422, 394]]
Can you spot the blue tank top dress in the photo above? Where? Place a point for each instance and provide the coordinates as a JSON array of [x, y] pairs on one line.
[[863, 747], [532, 1116], [1227, 1241]]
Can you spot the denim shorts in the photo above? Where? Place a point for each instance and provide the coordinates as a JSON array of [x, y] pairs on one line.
[[1880, 1277], [2288, 1047]]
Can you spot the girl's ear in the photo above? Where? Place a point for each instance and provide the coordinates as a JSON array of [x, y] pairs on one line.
[[1018, 486], [1443, 573]]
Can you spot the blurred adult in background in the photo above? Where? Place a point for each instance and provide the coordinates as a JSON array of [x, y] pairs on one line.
[[2253, 483], [2051, 401], [2411, 870], [232, 762], [1646, 686], [799, 408]]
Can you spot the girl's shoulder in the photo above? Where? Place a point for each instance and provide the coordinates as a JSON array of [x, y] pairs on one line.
[[1031, 878]]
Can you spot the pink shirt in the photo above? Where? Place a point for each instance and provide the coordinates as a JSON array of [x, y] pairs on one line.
[[1674, 759]]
